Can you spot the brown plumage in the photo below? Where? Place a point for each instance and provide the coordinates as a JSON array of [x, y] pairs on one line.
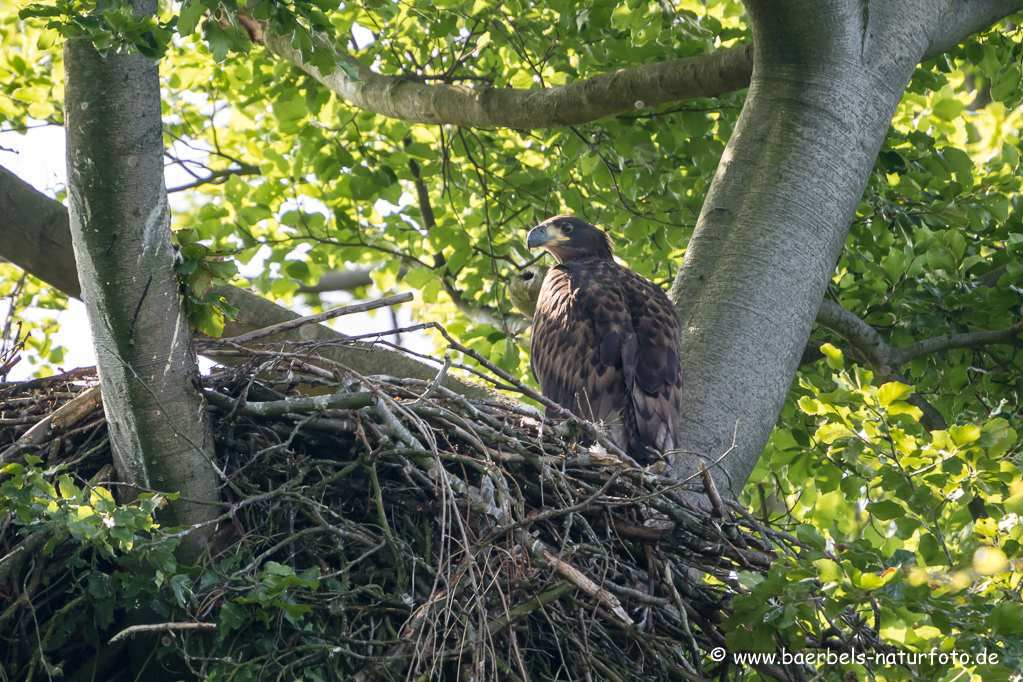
[[605, 340]]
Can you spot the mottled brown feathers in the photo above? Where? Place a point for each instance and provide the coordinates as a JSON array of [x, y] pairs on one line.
[[606, 341]]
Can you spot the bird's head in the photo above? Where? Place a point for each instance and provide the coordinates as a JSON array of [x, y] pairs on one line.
[[524, 288], [569, 238]]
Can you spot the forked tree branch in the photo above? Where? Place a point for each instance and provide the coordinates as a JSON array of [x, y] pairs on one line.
[[885, 359], [876, 352]]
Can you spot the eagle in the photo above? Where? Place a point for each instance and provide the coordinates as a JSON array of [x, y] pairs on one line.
[[606, 341]]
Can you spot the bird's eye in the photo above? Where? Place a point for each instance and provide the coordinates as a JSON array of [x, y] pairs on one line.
[[527, 275], [566, 228]]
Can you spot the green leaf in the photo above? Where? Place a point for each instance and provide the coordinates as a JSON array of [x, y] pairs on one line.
[[188, 19], [893, 391], [886, 510], [948, 109], [33, 95], [964, 435], [809, 535], [1014, 504], [36, 10], [587, 162], [275, 568], [47, 38], [1007, 86], [232, 617], [959, 163], [1010, 154], [431, 291], [830, 432], [217, 40], [829, 571], [956, 242], [416, 278], [899, 407], [832, 355], [1006, 619]]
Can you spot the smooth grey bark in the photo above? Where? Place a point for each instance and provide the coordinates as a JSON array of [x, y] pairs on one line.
[[120, 227], [827, 77], [707, 75], [34, 233]]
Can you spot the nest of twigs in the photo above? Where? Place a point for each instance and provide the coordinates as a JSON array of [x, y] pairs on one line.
[[384, 528]]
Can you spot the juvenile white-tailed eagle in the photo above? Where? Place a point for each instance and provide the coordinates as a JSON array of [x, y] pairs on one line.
[[605, 340]]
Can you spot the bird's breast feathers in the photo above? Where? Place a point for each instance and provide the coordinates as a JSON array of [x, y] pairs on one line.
[[592, 316]]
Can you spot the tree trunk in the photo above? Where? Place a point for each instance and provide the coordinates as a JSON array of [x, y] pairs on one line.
[[120, 226], [827, 77]]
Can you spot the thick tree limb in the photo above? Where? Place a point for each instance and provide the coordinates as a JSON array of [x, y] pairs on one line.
[[35, 236], [707, 75]]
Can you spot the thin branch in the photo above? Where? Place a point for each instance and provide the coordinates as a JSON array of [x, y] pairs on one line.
[[316, 319], [877, 353], [161, 627], [1004, 337], [510, 323], [216, 177]]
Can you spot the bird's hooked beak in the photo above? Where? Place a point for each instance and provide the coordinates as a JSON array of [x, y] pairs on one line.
[[542, 235]]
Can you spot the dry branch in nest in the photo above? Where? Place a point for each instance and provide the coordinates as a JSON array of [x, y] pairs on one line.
[[387, 528]]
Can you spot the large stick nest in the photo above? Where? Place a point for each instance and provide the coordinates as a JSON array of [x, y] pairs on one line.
[[385, 528]]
